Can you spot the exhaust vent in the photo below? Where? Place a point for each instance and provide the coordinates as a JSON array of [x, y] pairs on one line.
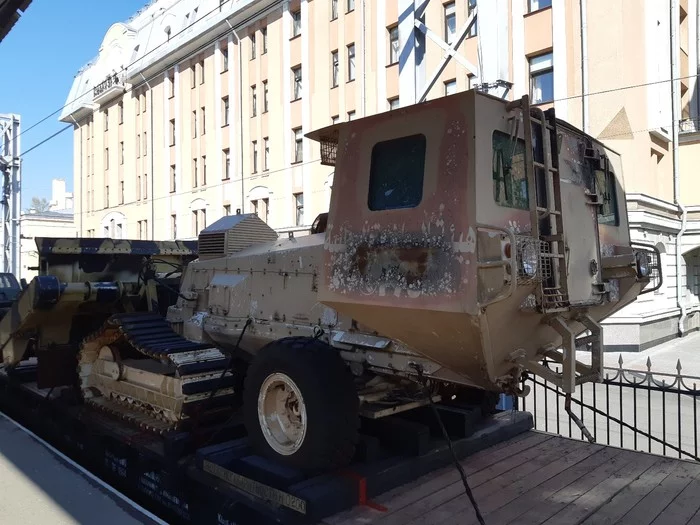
[[232, 234]]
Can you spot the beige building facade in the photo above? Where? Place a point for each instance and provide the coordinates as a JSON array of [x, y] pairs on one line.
[[56, 221], [196, 109]]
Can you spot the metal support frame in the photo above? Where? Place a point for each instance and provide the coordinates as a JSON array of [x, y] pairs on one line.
[[414, 33], [10, 203]]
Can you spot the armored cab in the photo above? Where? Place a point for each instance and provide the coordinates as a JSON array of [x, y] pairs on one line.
[[446, 232]]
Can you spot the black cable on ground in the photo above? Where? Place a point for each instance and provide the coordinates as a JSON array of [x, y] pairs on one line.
[[463, 475]]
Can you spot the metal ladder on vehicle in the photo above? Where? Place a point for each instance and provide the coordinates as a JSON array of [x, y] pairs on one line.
[[552, 293]]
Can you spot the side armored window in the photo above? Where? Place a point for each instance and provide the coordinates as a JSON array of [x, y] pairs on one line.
[[396, 173], [509, 176], [605, 186]]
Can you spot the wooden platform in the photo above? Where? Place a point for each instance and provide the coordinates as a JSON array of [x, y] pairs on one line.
[[537, 478]]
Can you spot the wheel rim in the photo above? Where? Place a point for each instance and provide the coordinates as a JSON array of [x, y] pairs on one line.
[[282, 414]]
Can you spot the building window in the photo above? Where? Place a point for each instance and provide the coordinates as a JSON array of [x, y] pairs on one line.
[[143, 101], [393, 103], [121, 192], [201, 71], [173, 179], [106, 158], [138, 188], [145, 186], [536, 5], [204, 170], [194, 124], [121, 112], [193, 77], [296, 23], [334, 9], [203, 111], [172, 131], [106, 119], [224, 58], [171, 84], [351, 5], [225, 110], [394, 45], [145, 143], [351, 115], [173, 226], [450, 87], [396, 173], [351, 62], [509, 177], [121, 152], [296, 72], [199, 220], [263, 32], [450, 22], [265, 106], [107, 196], [335, 68], [470, 9], [138, 145], [541, 79], [227, 164], [299, 209], [195, 173], [254, 151], [298, 146], [253, 46], [266, 154], [254, 99]]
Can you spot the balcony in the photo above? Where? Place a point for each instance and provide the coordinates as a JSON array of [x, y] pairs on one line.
[[112, 86]]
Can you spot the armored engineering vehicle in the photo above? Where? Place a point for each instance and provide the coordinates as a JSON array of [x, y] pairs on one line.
[[468, 238]]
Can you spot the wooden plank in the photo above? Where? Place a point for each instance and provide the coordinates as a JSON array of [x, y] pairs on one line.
[[400, 497], [502, 474], [663, 494], [587, 504], [496, 494], [695, 520], [532, 497], [560, 499], [624, 500], [683, 507]]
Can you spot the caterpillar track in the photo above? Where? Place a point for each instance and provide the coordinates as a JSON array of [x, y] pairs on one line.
[[137, 368]]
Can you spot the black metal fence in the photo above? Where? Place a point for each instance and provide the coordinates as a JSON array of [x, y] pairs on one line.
[[633, 409]]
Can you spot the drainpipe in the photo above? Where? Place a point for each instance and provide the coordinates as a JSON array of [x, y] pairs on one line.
[[363, 87], [676, 175], [240, 109], [81, 177], [151, 155], [583, 5]]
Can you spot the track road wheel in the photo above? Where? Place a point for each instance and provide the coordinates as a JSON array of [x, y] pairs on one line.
[[300, 405]]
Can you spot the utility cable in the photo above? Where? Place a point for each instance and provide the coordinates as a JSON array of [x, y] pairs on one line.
[[467, 489]]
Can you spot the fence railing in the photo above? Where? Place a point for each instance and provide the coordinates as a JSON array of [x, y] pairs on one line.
[[634, 409]]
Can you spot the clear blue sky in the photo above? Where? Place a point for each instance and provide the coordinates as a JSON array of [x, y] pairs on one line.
[[39, 59]]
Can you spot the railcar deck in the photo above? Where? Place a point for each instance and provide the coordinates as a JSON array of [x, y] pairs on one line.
[[538, 478]]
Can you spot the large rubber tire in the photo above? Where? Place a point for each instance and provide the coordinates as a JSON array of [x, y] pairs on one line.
[[329, 395]]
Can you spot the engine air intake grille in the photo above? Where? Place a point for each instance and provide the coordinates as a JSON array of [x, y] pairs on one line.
[[212, 244]]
